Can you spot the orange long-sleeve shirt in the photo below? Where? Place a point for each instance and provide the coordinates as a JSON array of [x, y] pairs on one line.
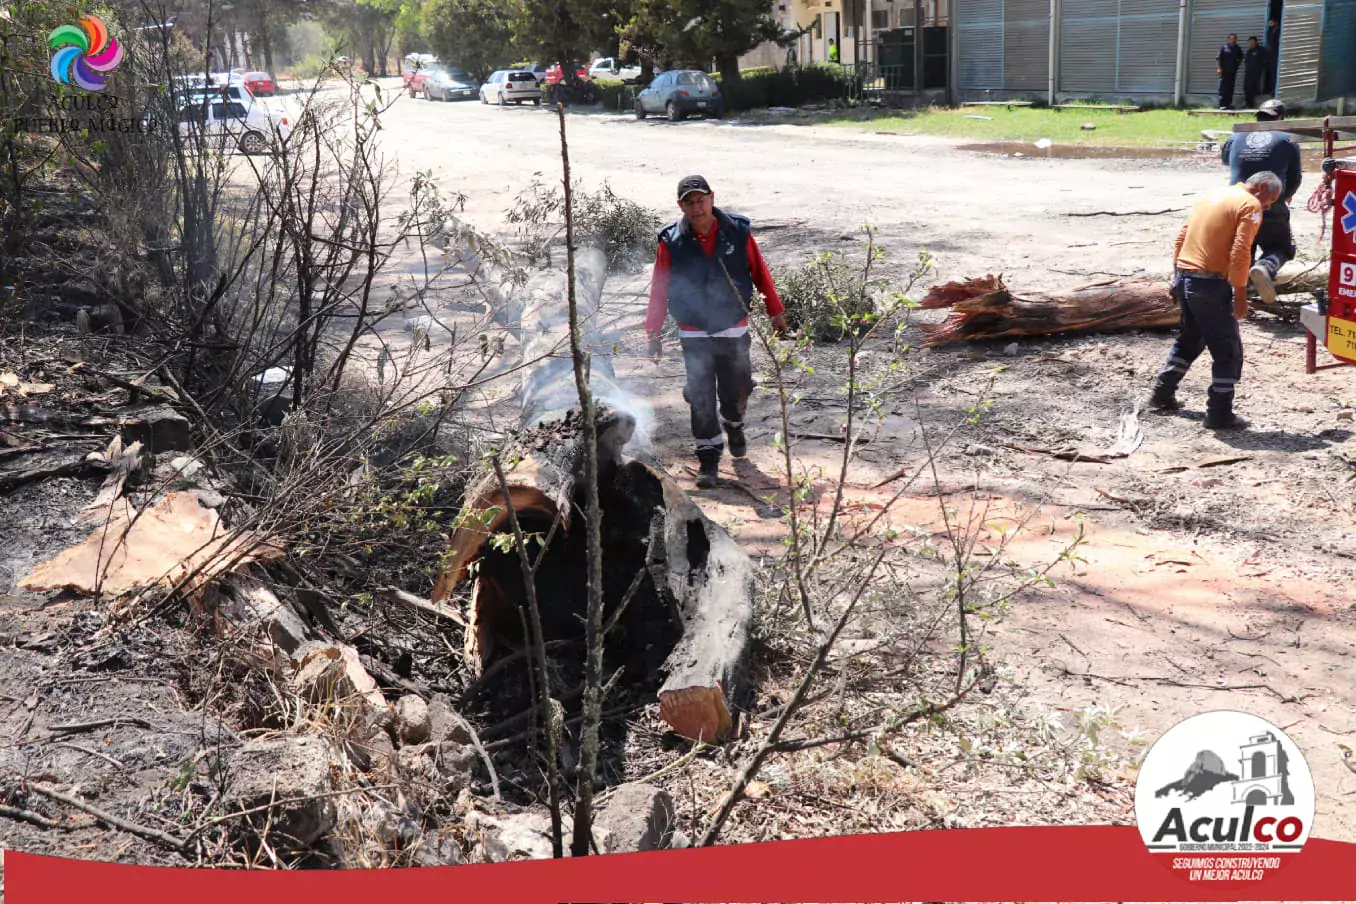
[[1219, 233]]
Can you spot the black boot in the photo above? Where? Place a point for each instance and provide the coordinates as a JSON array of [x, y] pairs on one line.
[[734, 438], [1164, 399], [1225, 420], [708, 473]]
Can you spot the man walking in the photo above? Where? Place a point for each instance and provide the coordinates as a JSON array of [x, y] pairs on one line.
[[1227, 61], [1249, 153], [705, 272], [1254, 70], [1212, 255]]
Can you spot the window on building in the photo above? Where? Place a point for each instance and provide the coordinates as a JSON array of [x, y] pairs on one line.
[[880, 19]]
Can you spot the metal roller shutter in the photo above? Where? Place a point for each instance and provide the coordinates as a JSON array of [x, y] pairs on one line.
[[1337, 65], [1026, 44], [979, 31], [1147, 61], [1087, 45], [1301, 44], [1212, 21]]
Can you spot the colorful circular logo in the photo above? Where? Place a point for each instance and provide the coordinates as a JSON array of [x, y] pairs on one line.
[[1224, 797], [82, 54]]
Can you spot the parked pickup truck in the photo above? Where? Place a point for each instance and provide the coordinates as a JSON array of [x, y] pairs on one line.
[[418, 67], [606, 67]]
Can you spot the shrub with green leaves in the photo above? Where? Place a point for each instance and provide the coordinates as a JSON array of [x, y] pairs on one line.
[[826, 298], [615, 94], [625, 230], [793, 86]]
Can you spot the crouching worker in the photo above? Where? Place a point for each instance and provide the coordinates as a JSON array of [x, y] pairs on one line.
[[1210, 282], [705, 273]]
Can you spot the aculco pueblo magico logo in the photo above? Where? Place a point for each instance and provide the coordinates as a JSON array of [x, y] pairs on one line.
[[83, 54], [1224, 797]]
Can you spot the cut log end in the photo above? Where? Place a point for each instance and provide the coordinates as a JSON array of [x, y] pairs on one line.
[[696, 713]]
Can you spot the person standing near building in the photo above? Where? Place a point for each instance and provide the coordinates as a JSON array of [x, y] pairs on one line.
[[833, 51], [1227, 61], [1273, 54], [705, 272], [1211, 262], [1254, 72], [1249, 153]]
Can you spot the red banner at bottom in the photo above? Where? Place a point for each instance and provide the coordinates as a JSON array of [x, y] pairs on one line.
[[1088, 863]]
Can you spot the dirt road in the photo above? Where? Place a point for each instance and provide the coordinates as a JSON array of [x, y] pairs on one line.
[[976, 212], [1218, 569]]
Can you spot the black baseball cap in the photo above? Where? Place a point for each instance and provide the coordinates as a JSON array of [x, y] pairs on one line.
[[689, 184], [1272, 109]]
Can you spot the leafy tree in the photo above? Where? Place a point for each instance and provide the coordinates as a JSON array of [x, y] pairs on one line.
[[472, 34], [554, 31], [699, 30]]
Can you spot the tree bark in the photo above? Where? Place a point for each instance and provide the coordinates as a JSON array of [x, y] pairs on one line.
[[984, 308], [728, 64]]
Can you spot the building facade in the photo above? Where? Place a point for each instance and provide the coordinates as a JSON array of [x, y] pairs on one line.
[[857, 28], [1160, 50]]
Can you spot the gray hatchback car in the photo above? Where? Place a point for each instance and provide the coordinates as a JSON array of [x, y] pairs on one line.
[[679, 93]]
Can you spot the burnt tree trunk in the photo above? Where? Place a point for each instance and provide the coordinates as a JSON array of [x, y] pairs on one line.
[[691, 619]]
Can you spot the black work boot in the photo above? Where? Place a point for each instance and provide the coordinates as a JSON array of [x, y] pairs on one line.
[[734, 438], [1225, 420], [1164, 399], [708, 473]]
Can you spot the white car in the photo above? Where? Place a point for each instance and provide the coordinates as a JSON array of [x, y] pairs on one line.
[[250, 125], [606, 67], [510, 86]]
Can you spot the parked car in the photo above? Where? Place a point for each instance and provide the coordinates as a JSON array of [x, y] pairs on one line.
[[259, 84], [507, 86], [449, 84], [553, 73], [248, 124], [606, 67], [679, 93]]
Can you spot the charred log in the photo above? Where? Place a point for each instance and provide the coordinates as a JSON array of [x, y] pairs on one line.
[[690, 618]]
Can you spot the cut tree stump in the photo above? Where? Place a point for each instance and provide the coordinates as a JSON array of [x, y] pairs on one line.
[[984, 308], [690, 620]]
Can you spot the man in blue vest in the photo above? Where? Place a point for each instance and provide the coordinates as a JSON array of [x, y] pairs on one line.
[[705, 273], [1249, 153], [1227, 61]]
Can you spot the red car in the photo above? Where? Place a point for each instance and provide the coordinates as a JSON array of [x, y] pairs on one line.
[[553, 74], [260, 84]]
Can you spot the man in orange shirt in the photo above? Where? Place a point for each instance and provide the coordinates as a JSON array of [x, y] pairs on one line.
[[706, 271], [1210, 283]]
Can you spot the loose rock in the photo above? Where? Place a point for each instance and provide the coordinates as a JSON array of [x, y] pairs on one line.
[[636, 818], [412, 723], [444, 722], [294, 769]]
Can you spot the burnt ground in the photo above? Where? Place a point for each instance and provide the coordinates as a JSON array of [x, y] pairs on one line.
[[1199, 583]]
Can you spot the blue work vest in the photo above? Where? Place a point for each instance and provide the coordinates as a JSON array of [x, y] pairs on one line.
[[701, 293]]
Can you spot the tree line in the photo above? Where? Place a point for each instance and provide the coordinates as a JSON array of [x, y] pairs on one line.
[[483, 35]]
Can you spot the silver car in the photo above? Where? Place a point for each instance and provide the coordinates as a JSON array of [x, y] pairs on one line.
[[510, 86], [681, 92], [449, 84]]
